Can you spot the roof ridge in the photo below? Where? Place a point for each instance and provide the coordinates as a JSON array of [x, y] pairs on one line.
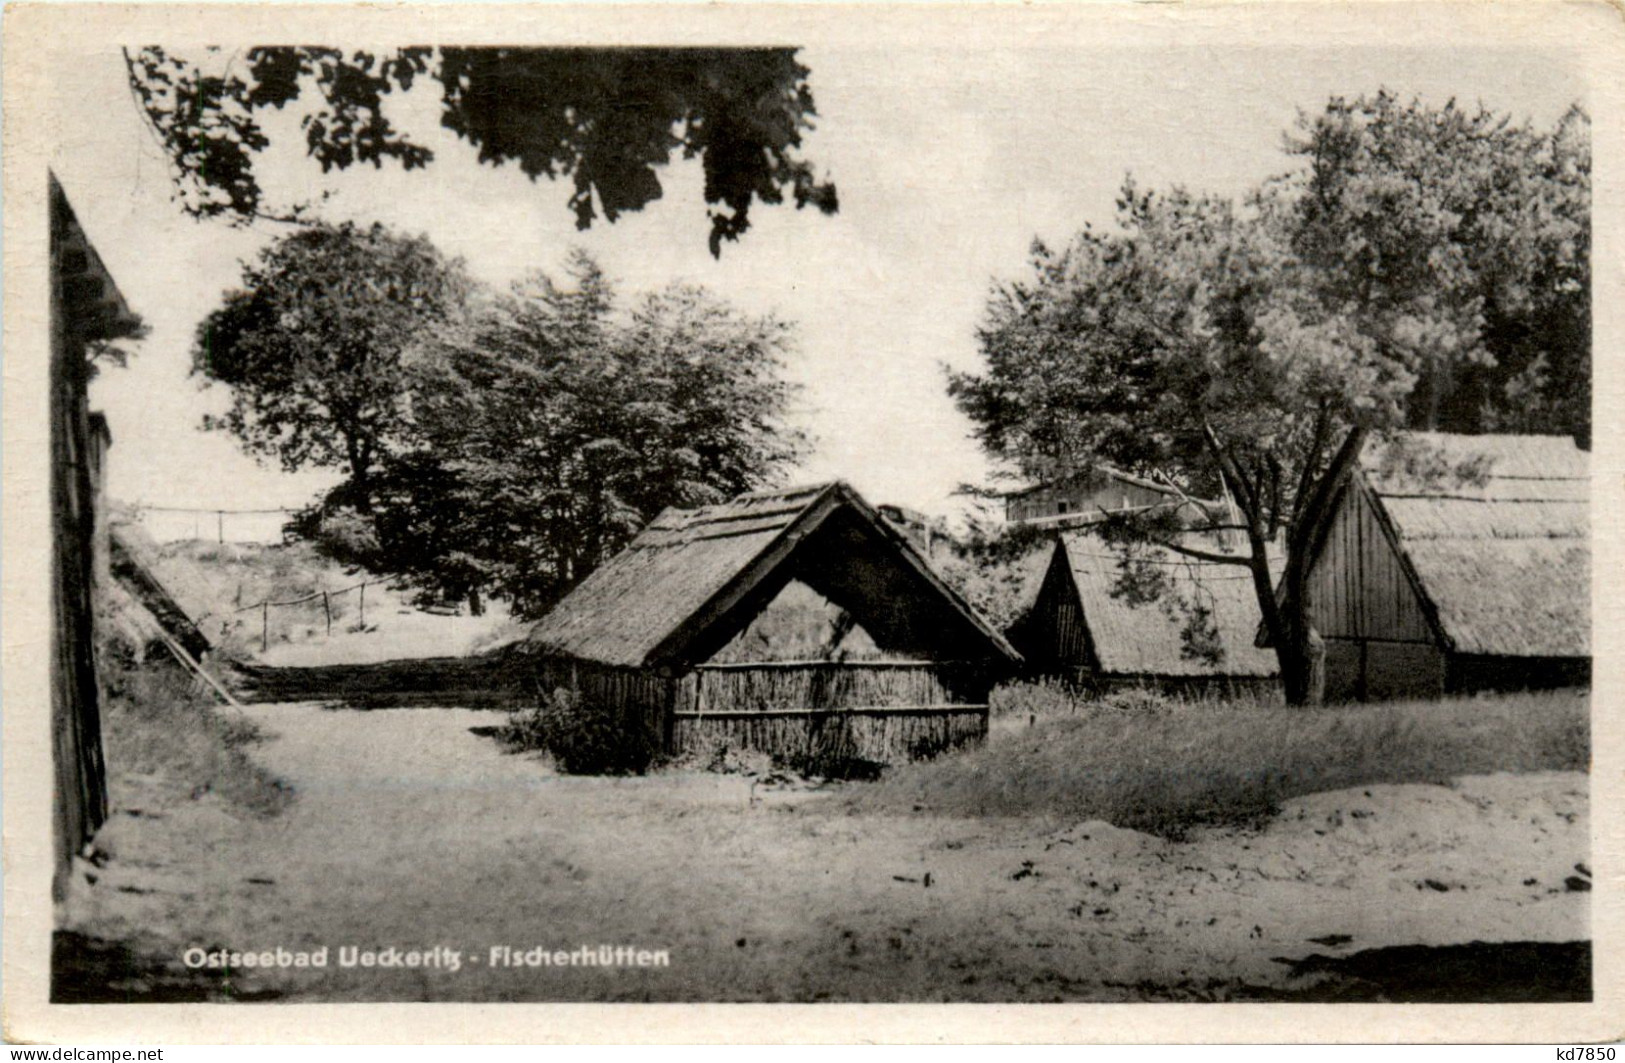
[[785, 492]]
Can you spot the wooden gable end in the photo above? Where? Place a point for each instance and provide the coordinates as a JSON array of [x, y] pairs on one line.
[[1056, 631], [1360, 586]]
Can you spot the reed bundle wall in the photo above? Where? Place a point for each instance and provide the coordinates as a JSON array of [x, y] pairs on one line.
[[879, 735], [869, 710], [878, 711], [828, 685]]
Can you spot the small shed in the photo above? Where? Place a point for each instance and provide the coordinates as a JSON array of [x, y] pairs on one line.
[[1454, 563], [1085, 497], [645, 632], [1087, 624]]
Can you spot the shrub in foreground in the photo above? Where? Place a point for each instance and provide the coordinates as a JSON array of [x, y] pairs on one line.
[[582, 737]]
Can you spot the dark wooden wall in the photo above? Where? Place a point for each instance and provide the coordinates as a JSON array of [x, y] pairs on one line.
[[1358, 588], [1379, 643], [80, 804], [491, 681], [1469, 674], [1053, 636]]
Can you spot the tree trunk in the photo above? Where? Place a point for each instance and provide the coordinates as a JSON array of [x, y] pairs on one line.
[[1299, 647], [360, 461], [475, 606], [1302, 656]]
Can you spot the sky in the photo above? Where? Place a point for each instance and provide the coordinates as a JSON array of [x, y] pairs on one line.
[[949, 162]]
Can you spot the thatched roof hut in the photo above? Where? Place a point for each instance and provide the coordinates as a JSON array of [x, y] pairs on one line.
[[1454, 562], [1088, 495], [643, 629], [1160, 619]]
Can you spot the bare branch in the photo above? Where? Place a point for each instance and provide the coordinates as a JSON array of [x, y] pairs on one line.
[[1276, 473], [1206, 555], [1231, 472], [1306, 479]]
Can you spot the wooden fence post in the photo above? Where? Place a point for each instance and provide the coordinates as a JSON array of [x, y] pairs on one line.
[[265, 625], [363, 610], [328, 609]]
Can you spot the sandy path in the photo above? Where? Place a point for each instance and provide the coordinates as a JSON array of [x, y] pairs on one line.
[[410, 830]]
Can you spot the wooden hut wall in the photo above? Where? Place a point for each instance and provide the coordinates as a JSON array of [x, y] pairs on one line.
[[1379, 643], [1359, 588], [80, 805], [84, 305], [1053, 636], [1470, 674], [472, 682], [850, 562]]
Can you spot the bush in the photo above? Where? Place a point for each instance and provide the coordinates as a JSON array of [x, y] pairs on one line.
[[582, 737], [347, 537], [998, 580]]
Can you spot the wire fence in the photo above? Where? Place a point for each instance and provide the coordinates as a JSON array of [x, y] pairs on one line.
[[326, 597], [223, 524]]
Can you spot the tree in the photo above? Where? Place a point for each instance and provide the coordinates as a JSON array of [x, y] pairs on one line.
[[314, 345], [603, 117], [1464, 233], [1245, 351], [557, 424]]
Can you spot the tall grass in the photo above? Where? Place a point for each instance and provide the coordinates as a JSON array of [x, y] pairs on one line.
[[158, 723], [1164, 767]]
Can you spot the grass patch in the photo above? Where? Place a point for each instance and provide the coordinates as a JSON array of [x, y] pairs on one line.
[[157, 723], [1148, 764], [214, 581]]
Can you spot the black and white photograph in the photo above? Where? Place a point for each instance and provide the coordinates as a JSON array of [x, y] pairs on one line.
[[808, 508]]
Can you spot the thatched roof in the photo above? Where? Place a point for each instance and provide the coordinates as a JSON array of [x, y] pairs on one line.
[[93, 306], [694, 578], [178, 604], [1145, 639], [1497, 531]]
